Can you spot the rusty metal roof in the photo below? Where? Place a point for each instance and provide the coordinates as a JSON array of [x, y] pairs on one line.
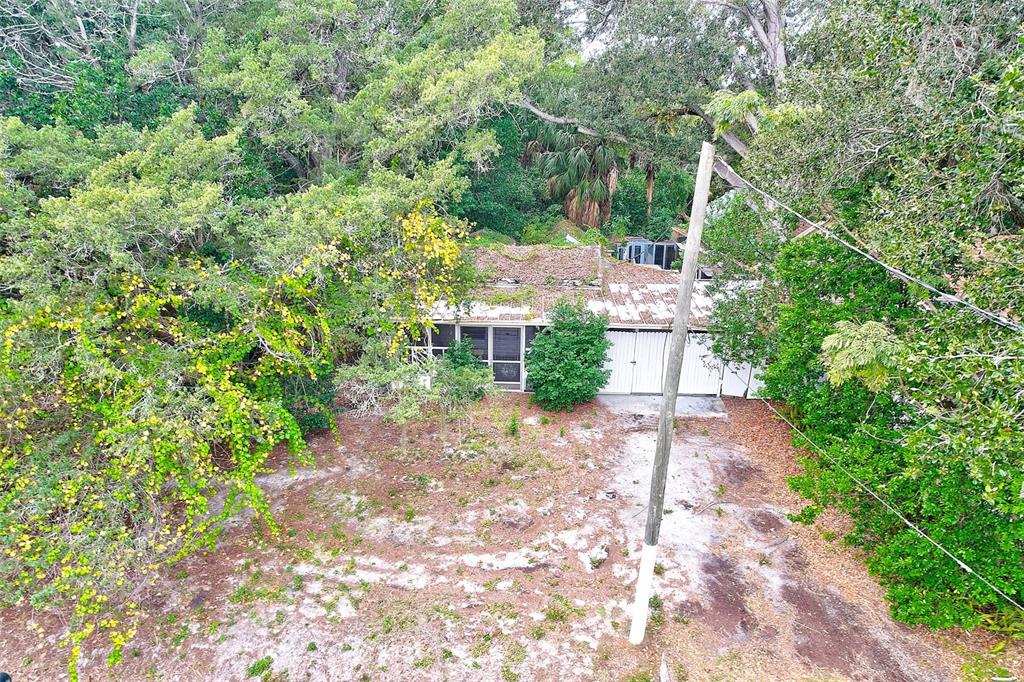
[[525, 283]]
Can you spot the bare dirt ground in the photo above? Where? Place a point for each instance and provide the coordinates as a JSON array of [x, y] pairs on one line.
[[504, 547]]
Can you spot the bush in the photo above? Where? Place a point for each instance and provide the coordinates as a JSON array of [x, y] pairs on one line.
[[566, 362], [402, 390]]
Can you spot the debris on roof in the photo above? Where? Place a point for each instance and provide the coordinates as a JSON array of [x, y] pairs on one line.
[[540, 264], [525, 283]]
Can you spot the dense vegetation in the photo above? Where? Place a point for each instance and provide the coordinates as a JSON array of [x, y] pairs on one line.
[[207, 208], [903, 131], [202, 216], [566, 361]]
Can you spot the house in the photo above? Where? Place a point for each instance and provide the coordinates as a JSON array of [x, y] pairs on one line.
[[646, 252], [523, 284]]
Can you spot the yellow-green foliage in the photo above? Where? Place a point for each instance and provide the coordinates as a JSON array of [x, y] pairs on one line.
[[149, 328], [867, 352]]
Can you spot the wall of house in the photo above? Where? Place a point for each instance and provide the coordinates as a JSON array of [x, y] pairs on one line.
[[637, 358]]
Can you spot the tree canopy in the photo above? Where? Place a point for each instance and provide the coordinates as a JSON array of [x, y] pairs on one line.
[[207, 207]]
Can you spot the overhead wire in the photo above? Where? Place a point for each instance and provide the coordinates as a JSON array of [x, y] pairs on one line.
[[941, 296], [889, 506]]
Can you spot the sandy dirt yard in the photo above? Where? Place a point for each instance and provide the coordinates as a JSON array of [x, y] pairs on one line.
[[504, 547]]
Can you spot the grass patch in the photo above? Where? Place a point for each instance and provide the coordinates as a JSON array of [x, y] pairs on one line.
[[259, 667], [560, 610]]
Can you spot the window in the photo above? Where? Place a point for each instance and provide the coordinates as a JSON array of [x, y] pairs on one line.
[[506, 343], [442, 338], [505, 346], [478, 335], [418, 342], [531, 332], [507, 372]]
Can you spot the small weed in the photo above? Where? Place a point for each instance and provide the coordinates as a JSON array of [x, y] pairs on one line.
[[311, 646], [560, 610], [763, 560], [538, 632], [447, 655], [561, 432], [391, 623], [509, 675], [346, 647], [410, 513], [503, 609], [516, 653], [423, 483], [544, 420], [720, 490], [181, 635], [656, 605], [259, 667], [659, 569], [982, 668], [447, 613], [512, 426], [483, 647], [640, 676], [423, 663], [719, 512]]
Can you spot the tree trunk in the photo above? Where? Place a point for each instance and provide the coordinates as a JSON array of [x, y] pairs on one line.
[[133, 26], [767, 21], [650, 187]]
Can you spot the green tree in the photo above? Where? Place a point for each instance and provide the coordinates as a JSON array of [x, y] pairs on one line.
[[505, 197], [896, 136], [581, 172], [155, 340], [565, 364], [323, 82]]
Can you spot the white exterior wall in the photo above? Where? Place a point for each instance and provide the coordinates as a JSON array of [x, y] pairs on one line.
[[637, 360]]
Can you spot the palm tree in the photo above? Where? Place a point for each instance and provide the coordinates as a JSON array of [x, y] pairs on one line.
[[580, 171]]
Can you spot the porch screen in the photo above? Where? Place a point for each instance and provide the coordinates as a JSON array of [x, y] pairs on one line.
[[506, 343], [478, 335]]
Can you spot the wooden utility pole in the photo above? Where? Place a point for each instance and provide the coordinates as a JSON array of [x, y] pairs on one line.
[[663, 448]]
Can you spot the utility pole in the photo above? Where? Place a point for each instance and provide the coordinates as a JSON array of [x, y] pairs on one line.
[[671, 390]]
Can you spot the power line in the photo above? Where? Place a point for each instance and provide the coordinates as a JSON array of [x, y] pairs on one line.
[[941, 296], [910, 524]]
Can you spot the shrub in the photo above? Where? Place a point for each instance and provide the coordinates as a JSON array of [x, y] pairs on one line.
[[566, 362], [402, 390]]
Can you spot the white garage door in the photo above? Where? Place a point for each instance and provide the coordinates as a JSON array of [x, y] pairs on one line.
[[702, 371], [637, 362], [620, 362], [649, 362]]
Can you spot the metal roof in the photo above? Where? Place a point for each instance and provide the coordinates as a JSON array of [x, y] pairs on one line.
[[525, 289]]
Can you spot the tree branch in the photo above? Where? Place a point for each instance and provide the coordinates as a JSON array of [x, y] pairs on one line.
[[564, 121], [721, 168]]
